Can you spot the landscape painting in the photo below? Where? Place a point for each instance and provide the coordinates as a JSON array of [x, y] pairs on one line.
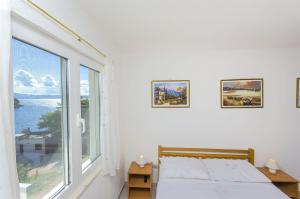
[[171, 94], [298, 92], [242, 93]]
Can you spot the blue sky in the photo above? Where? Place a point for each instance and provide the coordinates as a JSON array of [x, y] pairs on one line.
[[84, 83], [35, 71], [170, 85], [38, 72]]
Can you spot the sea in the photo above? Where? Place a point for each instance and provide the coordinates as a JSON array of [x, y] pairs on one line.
[[29, 114]]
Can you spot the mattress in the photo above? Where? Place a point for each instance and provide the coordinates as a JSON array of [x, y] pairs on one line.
[[208, 189]]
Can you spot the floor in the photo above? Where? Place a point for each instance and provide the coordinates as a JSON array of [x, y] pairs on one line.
[[124, 193]]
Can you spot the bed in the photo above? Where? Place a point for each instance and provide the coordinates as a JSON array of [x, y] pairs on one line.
[[202, 173]]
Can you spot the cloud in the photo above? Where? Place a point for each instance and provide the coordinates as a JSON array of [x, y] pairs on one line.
[[26, 83], [24, 78], [49, 81], [245, 84], [84, 87]]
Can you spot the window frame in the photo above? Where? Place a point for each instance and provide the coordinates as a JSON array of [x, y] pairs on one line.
[[65, 128], [31, 33], [87, 164]]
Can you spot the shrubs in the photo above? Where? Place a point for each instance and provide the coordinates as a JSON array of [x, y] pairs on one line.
[[23, 170]]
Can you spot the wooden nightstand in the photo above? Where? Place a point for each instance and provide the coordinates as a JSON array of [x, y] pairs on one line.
[[140, 181], [283, 181]]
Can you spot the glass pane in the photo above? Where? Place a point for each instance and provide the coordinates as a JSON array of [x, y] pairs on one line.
[[90, 112], [40, 120]]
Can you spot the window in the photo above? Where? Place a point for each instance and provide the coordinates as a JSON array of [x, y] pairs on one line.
[[90, 113], [40, 107], [38, 147], [21, 148]]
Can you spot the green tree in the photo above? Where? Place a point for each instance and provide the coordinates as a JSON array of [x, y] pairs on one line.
[[184, 93], [23, 170], [84, 102], [17, 103], [51, 121]]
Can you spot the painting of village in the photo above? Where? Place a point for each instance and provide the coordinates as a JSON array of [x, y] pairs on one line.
[[171, 94], [242, 93]]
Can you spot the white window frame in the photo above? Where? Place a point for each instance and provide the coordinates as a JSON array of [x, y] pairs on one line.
[[24, 29], [87, 164]]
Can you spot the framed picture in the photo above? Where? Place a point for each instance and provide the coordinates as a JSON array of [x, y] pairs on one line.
[[298, 93], [170, 94], [242, 93]]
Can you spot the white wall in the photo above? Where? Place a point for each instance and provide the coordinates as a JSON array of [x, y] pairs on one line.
[[104, 187], [72, 14], [272, 131]]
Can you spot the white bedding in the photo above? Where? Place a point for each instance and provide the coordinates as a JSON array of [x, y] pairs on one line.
[[207, 189], [226, 170], [227, 179], [183, 167]]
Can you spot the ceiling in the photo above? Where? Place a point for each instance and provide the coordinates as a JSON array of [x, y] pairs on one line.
[[151, 24]]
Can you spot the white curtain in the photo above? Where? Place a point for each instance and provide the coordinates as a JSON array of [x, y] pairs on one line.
[[9, 186], [109, 122]]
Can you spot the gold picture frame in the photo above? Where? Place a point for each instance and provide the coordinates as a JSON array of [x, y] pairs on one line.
[[242, 93], [298, 93], [170, 93]]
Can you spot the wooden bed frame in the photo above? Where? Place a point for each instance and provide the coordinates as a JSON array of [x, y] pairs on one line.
[[206, 153]]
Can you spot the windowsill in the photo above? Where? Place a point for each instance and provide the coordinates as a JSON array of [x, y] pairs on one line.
[[92, 170], [86, 165], [88, 176], [89, 164], [55, 191]]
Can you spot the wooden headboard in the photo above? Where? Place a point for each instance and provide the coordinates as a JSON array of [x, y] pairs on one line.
[[206, 153]]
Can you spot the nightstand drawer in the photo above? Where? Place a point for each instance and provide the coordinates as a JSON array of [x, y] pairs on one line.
[[142, 181], [139, 193]]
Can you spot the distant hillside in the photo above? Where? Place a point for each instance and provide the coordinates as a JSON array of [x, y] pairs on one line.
[[28, 96], [174, 93], [17, 103]]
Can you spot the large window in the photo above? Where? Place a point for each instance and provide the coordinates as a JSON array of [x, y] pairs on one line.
[[40, 119], [90, 113]]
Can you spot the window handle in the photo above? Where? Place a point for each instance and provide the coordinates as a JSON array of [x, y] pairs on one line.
[[81, 123], [83, 126]]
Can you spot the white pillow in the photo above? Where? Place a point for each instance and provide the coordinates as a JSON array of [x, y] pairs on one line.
[[182, 167], [233, 171]]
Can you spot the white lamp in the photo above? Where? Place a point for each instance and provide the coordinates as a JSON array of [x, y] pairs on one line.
[[272, 166], [141, 161]]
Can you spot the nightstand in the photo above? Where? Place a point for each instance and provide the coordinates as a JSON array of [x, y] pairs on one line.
[[282, 181], [140, 181]]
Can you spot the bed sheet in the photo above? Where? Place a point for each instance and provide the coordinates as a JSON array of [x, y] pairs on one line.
[[207, 189]]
